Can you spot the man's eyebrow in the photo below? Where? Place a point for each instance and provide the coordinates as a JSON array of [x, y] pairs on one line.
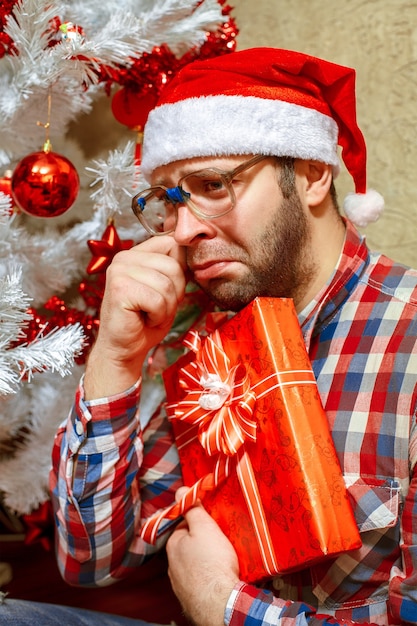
[[184, 171], [171, 182]]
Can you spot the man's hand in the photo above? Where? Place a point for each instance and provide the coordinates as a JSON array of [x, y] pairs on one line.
[[203, 568], [144, 286]]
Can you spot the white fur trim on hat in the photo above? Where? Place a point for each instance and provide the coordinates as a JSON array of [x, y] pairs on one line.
[[228, 125]]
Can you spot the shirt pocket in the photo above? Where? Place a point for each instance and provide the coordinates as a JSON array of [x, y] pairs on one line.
[[376, 507], [376, 503]]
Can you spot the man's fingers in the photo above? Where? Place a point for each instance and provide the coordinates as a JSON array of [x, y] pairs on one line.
[[166, 244], [196, 514], [146, 278], [178, 253], [180, 493]]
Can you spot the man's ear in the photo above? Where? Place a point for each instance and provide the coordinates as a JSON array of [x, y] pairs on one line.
[[316, 178]]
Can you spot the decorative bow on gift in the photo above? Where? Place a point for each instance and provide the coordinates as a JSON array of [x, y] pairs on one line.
[[219, 400], [218, 397]]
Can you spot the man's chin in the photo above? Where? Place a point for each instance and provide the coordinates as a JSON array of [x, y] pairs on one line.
[[227, 297]]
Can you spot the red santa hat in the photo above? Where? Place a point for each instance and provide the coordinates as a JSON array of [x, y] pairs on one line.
[[263, 101]]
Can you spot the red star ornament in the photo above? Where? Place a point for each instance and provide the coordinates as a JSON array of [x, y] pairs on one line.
[[104, 249]]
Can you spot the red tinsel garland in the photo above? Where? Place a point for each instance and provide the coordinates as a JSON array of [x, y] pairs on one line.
[[151, 71], [6, 42], [56, 314]]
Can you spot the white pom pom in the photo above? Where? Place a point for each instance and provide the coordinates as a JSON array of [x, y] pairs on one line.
[[363, 208]]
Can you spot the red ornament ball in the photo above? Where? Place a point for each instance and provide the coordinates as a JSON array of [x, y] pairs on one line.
[[45, 184], [132, 108]]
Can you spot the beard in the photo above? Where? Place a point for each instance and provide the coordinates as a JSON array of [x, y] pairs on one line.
[[278, 263]]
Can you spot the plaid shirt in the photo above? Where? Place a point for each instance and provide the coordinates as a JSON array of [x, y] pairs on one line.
[[360, 333]]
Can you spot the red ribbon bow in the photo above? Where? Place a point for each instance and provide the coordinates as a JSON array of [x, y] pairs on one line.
[[218, 397]]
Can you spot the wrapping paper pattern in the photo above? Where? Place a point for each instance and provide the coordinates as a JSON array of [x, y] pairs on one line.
[[255, 446]]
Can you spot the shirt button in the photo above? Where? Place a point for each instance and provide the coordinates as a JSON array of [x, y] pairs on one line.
[[79, 429]]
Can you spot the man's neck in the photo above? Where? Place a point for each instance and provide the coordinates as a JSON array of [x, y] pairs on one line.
[[327, 246]]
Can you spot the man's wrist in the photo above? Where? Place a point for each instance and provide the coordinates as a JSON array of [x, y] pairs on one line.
[[133, 391], [104, 378], [232, 600]]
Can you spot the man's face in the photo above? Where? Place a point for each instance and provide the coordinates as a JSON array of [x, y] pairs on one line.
[[260, 248]]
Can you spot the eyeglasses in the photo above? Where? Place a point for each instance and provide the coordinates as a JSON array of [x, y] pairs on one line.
[[208, 194]]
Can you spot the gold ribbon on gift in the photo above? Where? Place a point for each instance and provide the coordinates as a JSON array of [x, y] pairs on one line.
[[220, 400]]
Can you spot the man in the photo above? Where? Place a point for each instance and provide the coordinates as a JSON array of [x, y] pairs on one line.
[[243, 227]]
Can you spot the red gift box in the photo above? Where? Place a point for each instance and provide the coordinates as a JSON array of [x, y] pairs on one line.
[[255, 446]]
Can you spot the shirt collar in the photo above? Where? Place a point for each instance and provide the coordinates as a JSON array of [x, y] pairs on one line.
[[351, 264]]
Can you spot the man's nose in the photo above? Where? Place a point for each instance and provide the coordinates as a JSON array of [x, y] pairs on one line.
[[189, 226]]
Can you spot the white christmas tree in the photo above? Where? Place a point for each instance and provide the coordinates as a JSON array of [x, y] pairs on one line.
[[56, 60]]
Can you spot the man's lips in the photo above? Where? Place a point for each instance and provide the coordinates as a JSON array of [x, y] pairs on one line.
[[210, 269]]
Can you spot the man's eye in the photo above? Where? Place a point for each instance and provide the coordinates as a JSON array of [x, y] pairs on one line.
[[213, 185]]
